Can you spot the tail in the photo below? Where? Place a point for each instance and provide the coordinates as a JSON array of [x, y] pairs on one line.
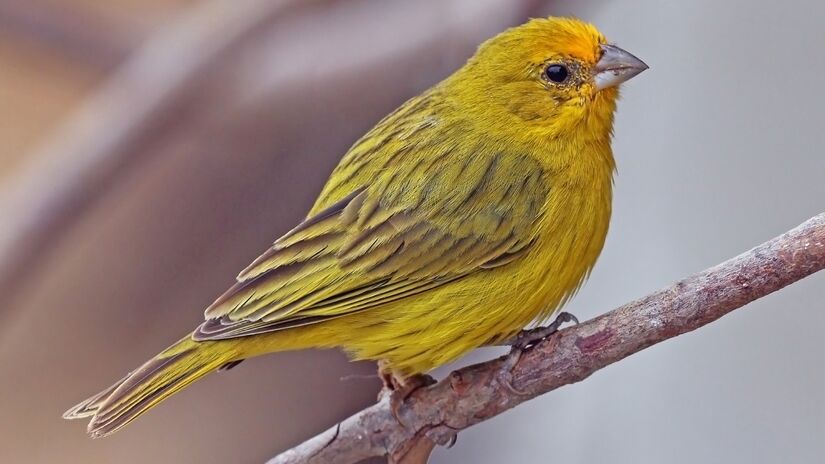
[[170, 371]]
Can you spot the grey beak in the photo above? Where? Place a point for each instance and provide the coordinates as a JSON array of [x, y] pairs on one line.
[[615, 66]]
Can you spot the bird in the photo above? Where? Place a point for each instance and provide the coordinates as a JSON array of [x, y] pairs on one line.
[[473, 210]]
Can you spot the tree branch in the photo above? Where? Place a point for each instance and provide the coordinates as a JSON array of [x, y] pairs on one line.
[[474, 394]]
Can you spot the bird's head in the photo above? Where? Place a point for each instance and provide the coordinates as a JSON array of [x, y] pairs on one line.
[[556, 74]]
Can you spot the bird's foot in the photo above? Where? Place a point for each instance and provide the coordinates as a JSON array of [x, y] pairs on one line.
[[529, 337], [504, 377], [525, 340], [400, 389]]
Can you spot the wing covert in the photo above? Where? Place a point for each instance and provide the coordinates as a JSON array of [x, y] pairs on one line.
[[424, 222]]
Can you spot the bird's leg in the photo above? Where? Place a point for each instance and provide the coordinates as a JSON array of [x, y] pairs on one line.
[[524, 340], [400, 388], [388, 380]]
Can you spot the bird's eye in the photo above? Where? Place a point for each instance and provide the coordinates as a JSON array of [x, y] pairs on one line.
[[556, 73]]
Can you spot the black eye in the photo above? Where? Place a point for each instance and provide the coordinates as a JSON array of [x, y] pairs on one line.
[[556, 73]]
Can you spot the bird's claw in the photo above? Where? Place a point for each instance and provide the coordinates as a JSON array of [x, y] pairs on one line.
[[504, 377], [400, 390], [521, 342], [529, 337]]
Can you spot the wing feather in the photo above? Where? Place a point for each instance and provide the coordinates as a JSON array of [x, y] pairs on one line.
[[420, 223]]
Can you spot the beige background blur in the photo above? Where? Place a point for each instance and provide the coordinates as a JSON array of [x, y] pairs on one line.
[[718, 147]]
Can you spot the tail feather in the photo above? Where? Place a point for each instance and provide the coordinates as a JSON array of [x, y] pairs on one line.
[[170, 371], [89, 406]]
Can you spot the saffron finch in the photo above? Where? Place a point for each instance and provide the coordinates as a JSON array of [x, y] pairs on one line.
[[469, 212]]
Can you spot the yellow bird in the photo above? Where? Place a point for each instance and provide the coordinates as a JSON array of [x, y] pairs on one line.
[[471, 211]]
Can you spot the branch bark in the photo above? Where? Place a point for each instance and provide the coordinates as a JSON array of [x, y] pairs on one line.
[[474, 394]]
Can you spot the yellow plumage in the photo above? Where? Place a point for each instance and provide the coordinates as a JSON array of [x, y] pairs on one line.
[[471, 211]]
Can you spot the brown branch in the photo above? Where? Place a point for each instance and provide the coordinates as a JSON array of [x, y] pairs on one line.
[[474, 394]]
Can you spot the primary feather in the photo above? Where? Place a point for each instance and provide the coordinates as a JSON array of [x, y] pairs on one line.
[[472, 210]]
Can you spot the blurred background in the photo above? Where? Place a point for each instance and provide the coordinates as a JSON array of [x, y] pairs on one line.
[[150, 149]]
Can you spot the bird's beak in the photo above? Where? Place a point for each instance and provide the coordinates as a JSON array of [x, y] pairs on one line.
[[615, 66]]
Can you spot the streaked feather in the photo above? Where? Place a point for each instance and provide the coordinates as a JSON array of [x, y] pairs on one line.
[[379, 242]]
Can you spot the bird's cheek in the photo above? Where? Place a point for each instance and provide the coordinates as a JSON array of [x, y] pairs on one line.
[[608, 94], [589, 89], [532, 107]]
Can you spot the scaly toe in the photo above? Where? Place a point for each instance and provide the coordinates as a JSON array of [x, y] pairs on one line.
[[504, 377], [529, 337], [404, 389]]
